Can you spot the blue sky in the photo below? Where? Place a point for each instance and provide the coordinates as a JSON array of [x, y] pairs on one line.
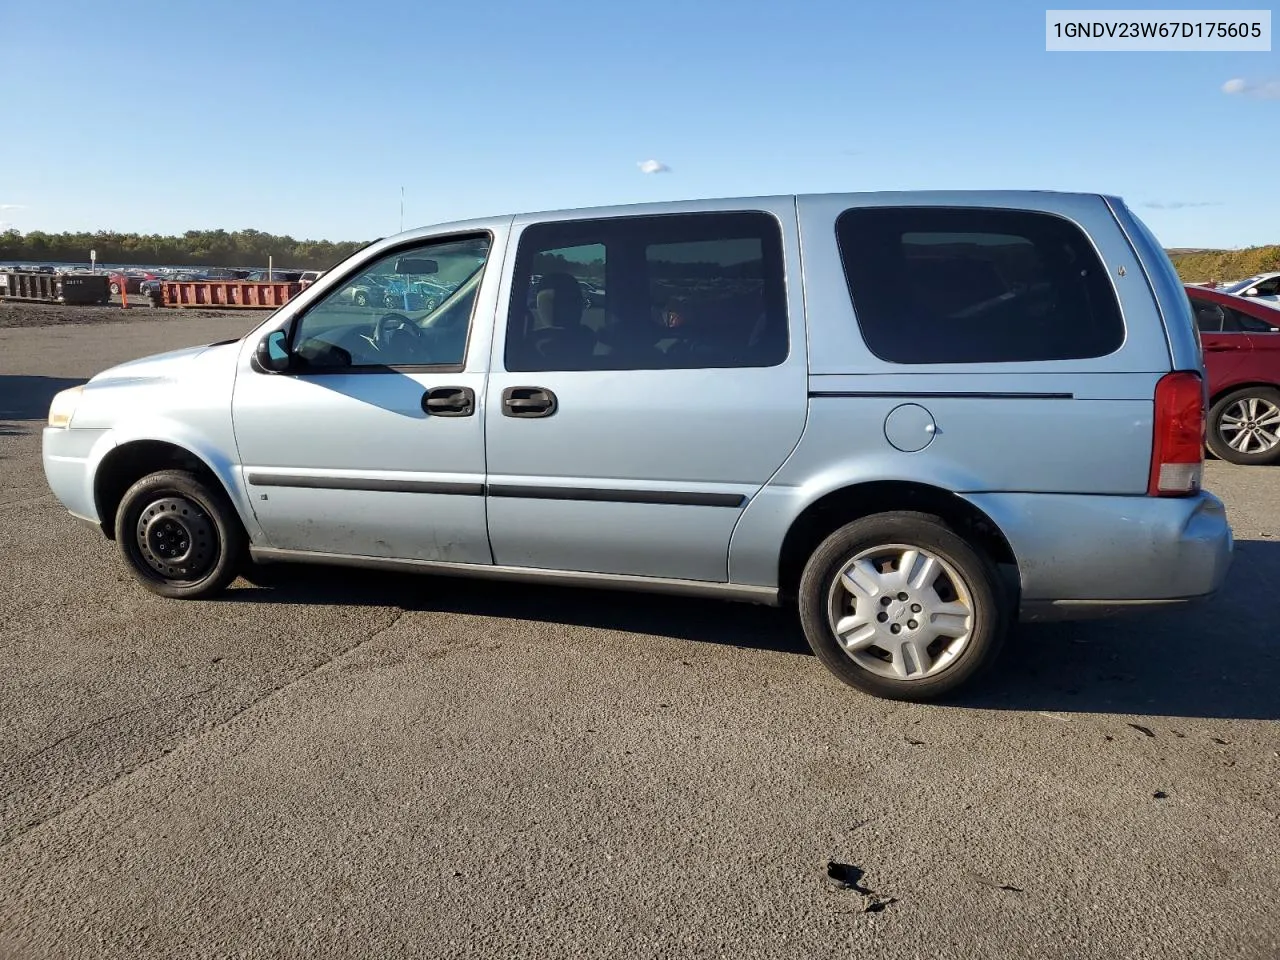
[[308, 118]]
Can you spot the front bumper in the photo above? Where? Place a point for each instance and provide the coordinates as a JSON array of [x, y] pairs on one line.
[[1089, 556], [66, 454]]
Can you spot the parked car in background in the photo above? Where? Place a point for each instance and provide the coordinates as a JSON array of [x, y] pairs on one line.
[[912, 465], [273, 276], [1240, 339], [308, 277], [1263, 288], [129, 281], [152, 288]]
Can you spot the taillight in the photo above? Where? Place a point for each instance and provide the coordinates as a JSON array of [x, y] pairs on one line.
[[1177, 449]]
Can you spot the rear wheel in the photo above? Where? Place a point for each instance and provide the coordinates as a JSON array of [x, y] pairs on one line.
[[1244, 426], [900, 606], [180, 536]]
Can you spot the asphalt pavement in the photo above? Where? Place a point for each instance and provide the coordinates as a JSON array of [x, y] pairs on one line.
[[358, 764]]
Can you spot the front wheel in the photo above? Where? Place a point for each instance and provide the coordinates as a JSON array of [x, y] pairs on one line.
[[899, 606], [180, 536], [1244, 426]]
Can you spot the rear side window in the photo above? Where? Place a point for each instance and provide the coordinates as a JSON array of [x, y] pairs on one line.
[[948, 285], [662, 292]]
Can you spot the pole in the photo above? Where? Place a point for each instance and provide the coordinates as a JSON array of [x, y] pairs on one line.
[[402, 209], [270, 277]]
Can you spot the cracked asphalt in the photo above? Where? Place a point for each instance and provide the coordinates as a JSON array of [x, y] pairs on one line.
[[355, 764]]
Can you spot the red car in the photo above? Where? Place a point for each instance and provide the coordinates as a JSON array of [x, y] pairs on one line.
[[1241, 343], [130, 281]]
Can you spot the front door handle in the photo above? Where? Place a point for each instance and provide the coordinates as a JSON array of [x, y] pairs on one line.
[[449, 402], [1220, 347], [528, 402]]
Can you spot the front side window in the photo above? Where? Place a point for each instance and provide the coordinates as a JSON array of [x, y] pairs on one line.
[[411, 308], [952, 285], [649, 293]]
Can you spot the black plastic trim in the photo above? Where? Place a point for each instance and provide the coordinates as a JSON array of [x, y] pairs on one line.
[[944, 394], [665, 497], [508, 490], [457, 489]]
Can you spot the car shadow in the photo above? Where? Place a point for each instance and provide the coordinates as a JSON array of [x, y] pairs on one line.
[[28, 398], [1218, 659], [750, 626]]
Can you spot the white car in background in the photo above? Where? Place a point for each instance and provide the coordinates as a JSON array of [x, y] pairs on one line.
[[1264, 288]]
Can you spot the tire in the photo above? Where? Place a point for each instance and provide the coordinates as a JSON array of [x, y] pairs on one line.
[[362, 300], [204, 523], [115, 289], [1264, 405], [949, 661]]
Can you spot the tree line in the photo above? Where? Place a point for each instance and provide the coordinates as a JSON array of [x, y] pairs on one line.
[[251, 248], [196, 248], [1224, 265]]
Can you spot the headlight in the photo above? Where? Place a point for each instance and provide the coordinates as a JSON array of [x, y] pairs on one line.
[[63, 406]]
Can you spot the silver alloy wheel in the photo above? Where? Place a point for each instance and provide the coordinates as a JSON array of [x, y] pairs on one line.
[[1251, 425], [901, 612]]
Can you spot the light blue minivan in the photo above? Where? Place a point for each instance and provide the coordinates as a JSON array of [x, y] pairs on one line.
[[917, 417]]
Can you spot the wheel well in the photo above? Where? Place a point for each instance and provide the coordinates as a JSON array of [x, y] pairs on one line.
[[127, 464], [827, 514], [1241, 386]]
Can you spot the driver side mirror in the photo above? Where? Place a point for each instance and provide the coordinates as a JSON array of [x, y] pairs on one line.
[[273, 352], [1251, 292]]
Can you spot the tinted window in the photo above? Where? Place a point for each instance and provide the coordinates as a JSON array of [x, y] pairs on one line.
[[942, 285], [1210, 317], [649, 293], [1245, 323], [409, 308]]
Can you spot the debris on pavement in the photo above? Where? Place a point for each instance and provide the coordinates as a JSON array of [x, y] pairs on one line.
[[848, 877]]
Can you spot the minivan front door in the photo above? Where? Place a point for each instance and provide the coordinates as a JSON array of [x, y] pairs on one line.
[[372, 442]]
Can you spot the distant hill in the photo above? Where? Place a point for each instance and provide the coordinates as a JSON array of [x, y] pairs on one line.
[[1195, 266]]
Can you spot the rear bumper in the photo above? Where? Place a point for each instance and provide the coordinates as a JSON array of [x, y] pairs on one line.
[[1048, 611], [1095, 556]]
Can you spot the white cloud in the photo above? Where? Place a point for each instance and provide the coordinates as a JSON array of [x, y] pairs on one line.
[[653, 166], [1180, 204], [13, 206], [1267, 90]]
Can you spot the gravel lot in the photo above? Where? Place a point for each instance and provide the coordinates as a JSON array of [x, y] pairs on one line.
[[372, 765]]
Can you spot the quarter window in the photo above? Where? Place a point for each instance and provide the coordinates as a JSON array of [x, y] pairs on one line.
[[949, 285], [649, 293], [411, 308]]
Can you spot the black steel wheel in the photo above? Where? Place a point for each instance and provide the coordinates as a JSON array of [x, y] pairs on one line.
[[180, 535]]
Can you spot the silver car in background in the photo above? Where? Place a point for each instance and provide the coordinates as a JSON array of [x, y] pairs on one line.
[[915, 417]]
